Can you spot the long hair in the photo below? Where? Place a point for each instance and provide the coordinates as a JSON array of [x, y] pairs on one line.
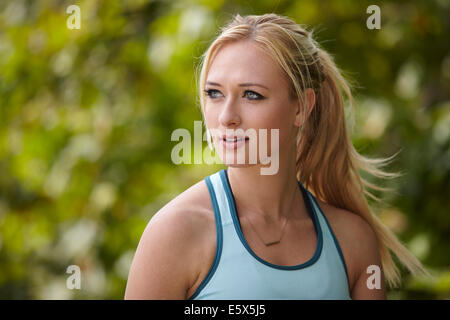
[[327, 163]]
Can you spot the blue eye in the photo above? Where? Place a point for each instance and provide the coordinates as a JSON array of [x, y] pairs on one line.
[[251, 95], [210, 93], [256, 96]]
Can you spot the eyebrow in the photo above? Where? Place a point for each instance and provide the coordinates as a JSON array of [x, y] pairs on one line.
[[247, 84]]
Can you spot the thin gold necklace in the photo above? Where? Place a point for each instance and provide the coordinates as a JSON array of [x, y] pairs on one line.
[[271, 242]]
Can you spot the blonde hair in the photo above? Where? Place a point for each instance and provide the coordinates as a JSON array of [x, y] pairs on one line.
[[327, 162]]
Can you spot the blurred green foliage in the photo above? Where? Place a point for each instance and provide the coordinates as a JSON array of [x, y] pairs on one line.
[[86, 118]]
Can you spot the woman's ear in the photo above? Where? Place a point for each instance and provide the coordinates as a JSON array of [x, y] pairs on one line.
[[307, 106]]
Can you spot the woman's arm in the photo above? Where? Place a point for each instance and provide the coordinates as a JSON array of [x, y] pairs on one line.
[[161, 267], [370, 283]]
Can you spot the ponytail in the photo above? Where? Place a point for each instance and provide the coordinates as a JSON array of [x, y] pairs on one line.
[[329, 165]]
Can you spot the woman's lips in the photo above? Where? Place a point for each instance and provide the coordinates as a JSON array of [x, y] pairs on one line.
[[232, 145]]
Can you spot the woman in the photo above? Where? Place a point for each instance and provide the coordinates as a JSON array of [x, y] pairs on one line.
[[305, 232]]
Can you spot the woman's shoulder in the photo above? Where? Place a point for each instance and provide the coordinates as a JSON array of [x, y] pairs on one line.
[[342, 221], [189, 219], [355, 236], [342, 218], [191, 208], [177, 232]]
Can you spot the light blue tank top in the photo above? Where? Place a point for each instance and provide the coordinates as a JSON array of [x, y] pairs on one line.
[[237, 273]]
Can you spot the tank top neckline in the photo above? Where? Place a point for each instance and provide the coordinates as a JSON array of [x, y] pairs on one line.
[[237, 226]]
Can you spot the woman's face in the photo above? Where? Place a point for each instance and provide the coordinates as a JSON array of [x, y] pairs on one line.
[[245, 89]]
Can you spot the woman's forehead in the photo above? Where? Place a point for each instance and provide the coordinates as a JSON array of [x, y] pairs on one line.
[[244, 62]]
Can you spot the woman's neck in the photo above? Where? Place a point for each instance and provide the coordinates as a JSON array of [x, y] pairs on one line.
[[273, 197]]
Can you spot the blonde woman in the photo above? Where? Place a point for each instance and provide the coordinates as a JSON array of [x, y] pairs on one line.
[[307, 231]]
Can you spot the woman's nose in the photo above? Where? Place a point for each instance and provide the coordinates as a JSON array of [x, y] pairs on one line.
[[230, 113]]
